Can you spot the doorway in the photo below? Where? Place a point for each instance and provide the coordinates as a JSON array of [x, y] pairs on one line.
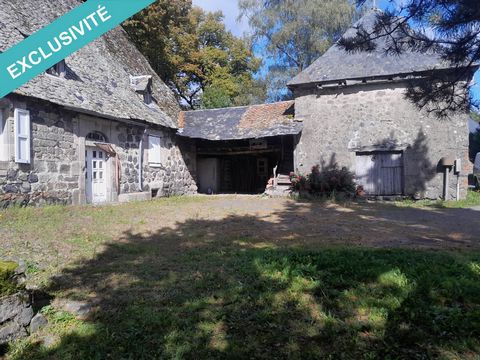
[[380, 172], [95, 175]]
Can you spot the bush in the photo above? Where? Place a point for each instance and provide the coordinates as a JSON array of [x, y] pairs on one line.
[[331, 179], [298, 182], [7, 284], [326, 181]]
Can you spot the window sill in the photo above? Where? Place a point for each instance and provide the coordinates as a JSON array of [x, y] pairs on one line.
[[155, 165]]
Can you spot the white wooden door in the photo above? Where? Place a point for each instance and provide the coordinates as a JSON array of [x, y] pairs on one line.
[[96, 179], [380, 173]]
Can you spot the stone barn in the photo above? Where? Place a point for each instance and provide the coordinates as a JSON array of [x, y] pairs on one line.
[[240, 149], [355, 113]]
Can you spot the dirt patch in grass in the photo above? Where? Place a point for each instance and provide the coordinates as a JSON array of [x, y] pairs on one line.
[[252, 277]]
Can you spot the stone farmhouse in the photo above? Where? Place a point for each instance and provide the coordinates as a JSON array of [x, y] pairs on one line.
[[98, 127], [101, 126]]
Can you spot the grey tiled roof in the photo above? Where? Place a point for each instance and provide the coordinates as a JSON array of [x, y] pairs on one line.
[[98, 75], [337, 64], [246, 122]]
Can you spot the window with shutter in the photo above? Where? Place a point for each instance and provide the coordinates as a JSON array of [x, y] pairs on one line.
[[154, 150], [22, 136]]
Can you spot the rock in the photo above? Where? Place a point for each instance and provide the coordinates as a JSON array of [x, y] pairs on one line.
[[12, 174], [10, 188], [26, 187], [32, 178], [25, 316], [16, 314], [39, 321], [82, 310], [10, 307], [11, 332], [49, 341]]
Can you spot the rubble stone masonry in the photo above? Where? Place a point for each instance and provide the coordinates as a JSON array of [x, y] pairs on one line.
[[340, 122], [56, 174]]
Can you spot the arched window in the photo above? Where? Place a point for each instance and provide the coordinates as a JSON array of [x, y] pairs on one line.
[[96, 136]]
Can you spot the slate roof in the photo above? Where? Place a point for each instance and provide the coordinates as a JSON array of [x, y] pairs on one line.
[[337, 64], [98, 75], [246, 122]]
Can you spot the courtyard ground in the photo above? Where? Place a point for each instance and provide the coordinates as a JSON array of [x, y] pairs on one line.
[[252, 277]]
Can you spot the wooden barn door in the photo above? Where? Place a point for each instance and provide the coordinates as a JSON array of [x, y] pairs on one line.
[[380, 173]]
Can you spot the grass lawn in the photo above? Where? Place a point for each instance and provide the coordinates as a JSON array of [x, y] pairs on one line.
[[473, 199], [208, 278]]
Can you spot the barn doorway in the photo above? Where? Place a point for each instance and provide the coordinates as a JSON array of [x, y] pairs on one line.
[[242, 166], [380, 173]]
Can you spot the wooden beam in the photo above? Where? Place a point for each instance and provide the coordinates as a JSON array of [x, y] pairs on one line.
[[243, 152]]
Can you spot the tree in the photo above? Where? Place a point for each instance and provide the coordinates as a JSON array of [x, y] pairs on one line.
[[152, 30], [195, 55], [448, 28], [475, 116], [294, 33]]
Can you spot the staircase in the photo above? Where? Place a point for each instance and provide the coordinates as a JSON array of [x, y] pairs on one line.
[[280, 187]]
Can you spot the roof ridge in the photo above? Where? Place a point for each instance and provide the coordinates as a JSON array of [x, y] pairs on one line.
[[238, 107]]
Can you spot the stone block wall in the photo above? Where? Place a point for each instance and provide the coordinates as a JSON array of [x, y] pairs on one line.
[[56, 174], [53, 174], [176, 176], [340, 122]]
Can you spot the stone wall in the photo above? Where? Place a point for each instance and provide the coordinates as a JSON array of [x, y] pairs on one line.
[[176, 176], [16, 311], [56, 174], [340, 122], [53, 174]]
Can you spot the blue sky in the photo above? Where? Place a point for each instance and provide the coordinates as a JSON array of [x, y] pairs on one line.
[[231, 12]]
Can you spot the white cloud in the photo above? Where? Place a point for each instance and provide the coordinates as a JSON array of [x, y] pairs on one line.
[[231, 12]]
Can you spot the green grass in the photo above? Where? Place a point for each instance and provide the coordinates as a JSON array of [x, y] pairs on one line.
[[333, 303], [196, 289], [473, 199]]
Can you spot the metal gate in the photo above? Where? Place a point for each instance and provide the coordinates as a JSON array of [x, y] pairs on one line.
[[380, 173]]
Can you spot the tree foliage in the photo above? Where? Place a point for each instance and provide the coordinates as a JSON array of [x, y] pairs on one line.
[[475, 116], [196, 56], [448, 28], [294, 33]]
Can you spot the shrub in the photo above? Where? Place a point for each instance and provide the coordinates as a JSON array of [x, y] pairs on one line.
[[7, 284], [331, 179], [298, 182], [326, 181]]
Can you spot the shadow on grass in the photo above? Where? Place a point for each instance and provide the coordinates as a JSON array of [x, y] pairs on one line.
[[209, 289]]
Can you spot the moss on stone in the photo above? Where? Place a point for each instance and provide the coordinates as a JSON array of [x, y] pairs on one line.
[[7, 285]]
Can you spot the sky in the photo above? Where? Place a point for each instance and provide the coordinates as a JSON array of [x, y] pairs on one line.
[[231, 12]]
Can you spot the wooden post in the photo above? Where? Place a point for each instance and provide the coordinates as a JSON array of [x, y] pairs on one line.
[[445, 183]]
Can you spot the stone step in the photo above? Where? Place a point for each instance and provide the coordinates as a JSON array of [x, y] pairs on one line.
[[138, 196]]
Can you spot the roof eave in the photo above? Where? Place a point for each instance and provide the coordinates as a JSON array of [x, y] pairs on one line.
[[390, 77]]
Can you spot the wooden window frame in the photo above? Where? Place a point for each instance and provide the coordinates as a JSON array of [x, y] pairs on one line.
[[154, 160], [26, 136]]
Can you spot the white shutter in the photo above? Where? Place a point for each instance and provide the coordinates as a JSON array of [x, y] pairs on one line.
[[3, 136], [22, 136], [154, 150], [3, 149]]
